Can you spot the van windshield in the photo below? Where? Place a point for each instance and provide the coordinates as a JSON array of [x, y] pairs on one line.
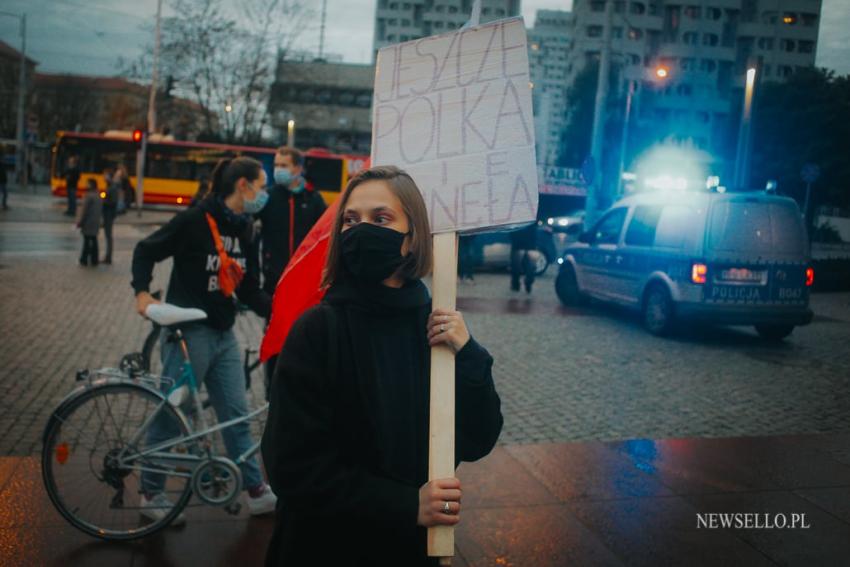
[[756, 226]]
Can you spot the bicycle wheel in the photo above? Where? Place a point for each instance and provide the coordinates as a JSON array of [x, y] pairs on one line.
[[80, 461]]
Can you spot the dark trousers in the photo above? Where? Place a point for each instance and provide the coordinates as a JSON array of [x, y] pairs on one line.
[[108, 221], [72, 199], [521, 265], [89, 254]]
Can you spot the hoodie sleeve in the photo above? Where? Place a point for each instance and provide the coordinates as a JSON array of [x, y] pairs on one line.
[[300, 450], [158, 246], [478, 415]]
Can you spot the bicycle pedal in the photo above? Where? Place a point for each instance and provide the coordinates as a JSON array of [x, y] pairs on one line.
[[233, 508]]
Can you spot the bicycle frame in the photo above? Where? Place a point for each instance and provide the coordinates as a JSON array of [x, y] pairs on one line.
[[161, 451]]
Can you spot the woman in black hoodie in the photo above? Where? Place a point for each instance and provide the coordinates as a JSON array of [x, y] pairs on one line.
[[197, 280], [346, 442]]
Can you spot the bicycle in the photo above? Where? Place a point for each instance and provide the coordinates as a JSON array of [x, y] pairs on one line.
[[96, 445], [148, 359]]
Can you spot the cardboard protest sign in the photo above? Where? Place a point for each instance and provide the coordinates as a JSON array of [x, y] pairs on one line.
[[454, 111]]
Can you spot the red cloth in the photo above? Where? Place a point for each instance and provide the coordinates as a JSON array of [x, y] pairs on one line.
[[298, 287]]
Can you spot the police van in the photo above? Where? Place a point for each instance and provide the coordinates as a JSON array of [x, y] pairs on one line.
[[718, 258]]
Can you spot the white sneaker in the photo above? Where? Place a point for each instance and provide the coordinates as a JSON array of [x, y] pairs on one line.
[[158, 507], [265, 503]]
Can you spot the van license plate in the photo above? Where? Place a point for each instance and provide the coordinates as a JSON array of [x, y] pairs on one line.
[[744, 275]]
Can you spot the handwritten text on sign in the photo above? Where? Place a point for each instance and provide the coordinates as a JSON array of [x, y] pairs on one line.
[[454, 111]]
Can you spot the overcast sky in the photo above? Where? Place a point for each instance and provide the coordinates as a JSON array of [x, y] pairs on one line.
[[87, 36]]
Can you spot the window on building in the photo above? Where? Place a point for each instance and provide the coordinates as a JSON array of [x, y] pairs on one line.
[[392, 22], [393, 5], [692, 12], [805, 46], [637, 8], [452, 9], [690, 38], [713, 13], [485, 11], [391, 37], [406, 6], [597, 6], [635, 33], [594, 31], [440, 8], [765, 70], [703, 117], [789, 18], [765, 43], [784, 71], [708, 65], [710, 39], [405, 23], [687, 63], [438, 24], [617, 32], [809, 20], [787, 45], [684, 89], [769, 17]]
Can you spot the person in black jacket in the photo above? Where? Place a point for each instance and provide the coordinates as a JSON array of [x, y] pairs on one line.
[[72, 179], [238, 191], [291, 212], [346, 441]]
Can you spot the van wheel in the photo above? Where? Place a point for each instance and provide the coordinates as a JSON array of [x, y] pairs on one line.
[[774, 332], [566, 286], [658, 311]]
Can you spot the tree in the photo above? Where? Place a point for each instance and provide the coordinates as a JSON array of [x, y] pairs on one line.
[[804, 120], [575, 141], [222, 57]]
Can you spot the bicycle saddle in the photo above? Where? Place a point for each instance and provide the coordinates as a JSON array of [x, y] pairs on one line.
[[166, 314]]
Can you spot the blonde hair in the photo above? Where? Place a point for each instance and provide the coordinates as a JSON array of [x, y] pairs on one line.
[[403, 187]]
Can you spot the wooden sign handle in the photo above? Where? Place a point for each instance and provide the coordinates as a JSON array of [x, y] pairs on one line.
[[441, 445]]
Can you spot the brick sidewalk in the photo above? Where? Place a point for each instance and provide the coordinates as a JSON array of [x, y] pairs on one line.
[[548, 505]]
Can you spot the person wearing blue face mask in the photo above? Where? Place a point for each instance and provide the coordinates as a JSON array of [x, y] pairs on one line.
[[293, 208], [198, 239]]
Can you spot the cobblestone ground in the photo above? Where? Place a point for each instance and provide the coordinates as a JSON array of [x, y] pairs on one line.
[[563, 375]]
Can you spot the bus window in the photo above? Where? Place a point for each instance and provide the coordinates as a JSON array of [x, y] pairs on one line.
[[324, 173]]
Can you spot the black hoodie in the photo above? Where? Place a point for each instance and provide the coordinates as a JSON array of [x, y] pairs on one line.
[[194, 277], [346, 442]]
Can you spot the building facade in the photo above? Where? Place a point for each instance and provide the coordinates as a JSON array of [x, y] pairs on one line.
[[548, 53], [705, 47], [97, 104], [397, 21], [330, 104]]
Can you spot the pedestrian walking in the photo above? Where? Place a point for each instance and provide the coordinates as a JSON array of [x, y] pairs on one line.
[[292, 210], [466, 259], [89, 223], [72, 179], [110, 210], [346, 441], [127, 193], [523, 241], [207, 244], [4, 179]]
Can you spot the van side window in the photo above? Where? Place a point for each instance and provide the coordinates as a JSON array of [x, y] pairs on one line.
[[675, 227], [608, 228], [641, 230]]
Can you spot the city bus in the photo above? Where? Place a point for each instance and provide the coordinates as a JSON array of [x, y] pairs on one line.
[[173, 168]]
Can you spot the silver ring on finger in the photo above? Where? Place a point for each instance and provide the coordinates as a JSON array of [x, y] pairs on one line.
[[446, 509], [442, 328]]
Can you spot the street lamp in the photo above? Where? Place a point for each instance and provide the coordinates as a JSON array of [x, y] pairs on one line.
[[742, 156], [290, 133], [662, 73], [228, 107]]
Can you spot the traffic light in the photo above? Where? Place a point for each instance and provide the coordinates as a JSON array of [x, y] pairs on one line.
[[138, 135]]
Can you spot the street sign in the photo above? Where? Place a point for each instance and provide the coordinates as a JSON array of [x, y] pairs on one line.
[[561, 181], [454, 111], [810, 172]]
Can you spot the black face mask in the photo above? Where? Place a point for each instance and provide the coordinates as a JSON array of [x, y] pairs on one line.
[[372, 253]]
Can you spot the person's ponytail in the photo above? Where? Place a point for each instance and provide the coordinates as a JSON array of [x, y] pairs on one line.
[[229, 170]]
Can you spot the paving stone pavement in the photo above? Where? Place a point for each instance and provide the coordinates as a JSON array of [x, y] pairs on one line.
[[563, 374]]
